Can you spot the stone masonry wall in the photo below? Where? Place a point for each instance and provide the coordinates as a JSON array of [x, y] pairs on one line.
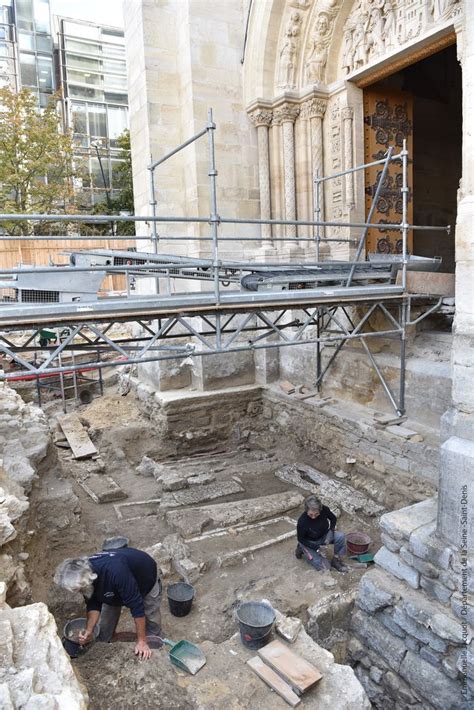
[[24, 440], [188, 420], [35, 671], [414, 619], [337, 432]]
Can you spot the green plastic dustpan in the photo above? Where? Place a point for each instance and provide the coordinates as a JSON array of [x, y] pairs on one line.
[[186, 655]]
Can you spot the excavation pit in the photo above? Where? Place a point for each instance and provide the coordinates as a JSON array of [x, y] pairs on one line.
[[235, 546]]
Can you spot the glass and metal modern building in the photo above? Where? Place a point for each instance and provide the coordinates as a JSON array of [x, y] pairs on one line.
[[8, 47], [35, 47], [86, 62], [93, 77]]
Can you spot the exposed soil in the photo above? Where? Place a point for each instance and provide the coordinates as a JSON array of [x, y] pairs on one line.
[[122, 435]]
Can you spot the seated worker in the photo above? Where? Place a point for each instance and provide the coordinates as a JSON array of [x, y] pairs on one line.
[[110, 580], [316, 527]]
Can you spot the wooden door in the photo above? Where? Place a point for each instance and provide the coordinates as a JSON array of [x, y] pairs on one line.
[[388, 120]]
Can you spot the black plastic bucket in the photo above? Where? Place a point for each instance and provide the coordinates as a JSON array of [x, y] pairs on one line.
[[115, 543], [256, 620], [70, 638], [180, 598]]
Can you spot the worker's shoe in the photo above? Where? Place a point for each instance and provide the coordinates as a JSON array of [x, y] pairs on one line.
[[298, 552], [339, 565]]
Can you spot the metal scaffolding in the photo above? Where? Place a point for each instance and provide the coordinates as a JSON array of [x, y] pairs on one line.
[[224, 319]]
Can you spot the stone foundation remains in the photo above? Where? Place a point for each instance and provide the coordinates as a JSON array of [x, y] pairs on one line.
[[414, 621]]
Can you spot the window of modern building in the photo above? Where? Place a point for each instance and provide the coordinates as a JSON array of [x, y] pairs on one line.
[[118, 123], [42, 16], [28, 73]]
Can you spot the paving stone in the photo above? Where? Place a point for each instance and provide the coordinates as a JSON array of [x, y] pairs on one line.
[[430, 682], [393, 564], [198, 494], [102, 489], [329, 490], [192, 521], [401, 431], [174, 483], [400, 524], [201, 478]]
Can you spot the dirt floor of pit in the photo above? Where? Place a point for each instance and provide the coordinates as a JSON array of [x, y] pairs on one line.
[[123, 436]]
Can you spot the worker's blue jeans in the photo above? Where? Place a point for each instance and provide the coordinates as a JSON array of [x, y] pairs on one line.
[[110, 615], [311, 554]]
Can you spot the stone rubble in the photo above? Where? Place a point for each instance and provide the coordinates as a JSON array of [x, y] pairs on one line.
[[35, 670], [412, 636]]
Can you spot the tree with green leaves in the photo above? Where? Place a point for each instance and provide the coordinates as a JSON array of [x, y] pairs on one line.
[[36, 160], [123, 187]]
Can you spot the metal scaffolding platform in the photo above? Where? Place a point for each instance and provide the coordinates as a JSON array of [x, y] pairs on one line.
[[311, 303]]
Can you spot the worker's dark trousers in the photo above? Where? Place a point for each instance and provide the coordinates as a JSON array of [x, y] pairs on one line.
[[314, 557], [110, 615]]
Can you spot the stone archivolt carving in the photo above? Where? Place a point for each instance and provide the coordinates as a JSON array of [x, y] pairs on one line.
[[289, 53], [315, 64], [376, 27]]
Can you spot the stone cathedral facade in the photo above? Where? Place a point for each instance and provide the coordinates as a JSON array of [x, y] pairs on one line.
[[306, 88]]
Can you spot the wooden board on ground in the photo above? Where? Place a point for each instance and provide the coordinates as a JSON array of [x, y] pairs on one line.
[[81, 445], [429, 283], [275, 682], [300, 674]]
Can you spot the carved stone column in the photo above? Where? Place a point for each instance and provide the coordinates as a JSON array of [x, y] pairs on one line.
[[347, 118], [314, 110], [287, 115], [262, 119]]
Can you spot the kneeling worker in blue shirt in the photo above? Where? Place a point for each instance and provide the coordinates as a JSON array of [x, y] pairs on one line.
[[110, 580]]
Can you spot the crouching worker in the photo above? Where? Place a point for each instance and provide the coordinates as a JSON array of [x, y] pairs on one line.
[[316, 528], [110, 580]]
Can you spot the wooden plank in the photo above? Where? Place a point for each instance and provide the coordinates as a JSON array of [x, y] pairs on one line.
[[287, 387], [274, 681], [432, 283], [81, 445], [300, 674]]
